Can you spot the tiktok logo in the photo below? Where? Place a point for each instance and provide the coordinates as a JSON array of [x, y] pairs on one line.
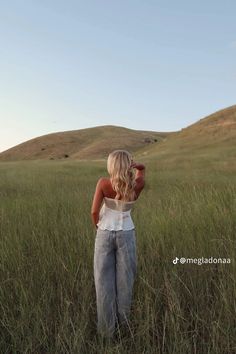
[[175, 260]]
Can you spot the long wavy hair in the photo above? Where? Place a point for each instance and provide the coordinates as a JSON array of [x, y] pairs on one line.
[[121, 175]]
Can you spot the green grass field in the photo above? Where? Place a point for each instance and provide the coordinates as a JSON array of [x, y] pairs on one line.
[[47, 292]]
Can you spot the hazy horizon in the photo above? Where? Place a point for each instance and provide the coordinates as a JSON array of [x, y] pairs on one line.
[[145, 66]]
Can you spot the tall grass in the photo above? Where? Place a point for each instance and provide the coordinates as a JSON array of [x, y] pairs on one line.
[[47, 293]]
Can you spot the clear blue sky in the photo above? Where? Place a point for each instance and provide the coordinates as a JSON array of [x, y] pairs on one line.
[[151, 65]]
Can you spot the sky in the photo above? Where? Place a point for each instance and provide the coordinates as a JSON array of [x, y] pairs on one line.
[[146, 65]]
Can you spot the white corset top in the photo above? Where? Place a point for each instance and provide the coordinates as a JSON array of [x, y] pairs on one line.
[[115, 215]]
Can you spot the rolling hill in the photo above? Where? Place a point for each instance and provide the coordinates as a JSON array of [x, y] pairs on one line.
[[212, 136], [89, 143]]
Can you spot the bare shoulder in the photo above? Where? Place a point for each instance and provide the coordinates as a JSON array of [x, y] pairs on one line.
[[103, 182]]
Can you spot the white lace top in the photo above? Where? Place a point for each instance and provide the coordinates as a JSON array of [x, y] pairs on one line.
[[115, 215]]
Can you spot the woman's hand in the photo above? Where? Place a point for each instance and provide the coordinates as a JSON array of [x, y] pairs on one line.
[[138, 166]]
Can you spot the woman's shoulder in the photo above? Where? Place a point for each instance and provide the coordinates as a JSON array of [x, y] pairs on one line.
[[104, 180], [106, 186]]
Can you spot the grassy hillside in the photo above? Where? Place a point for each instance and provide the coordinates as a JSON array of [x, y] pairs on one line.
[[211, 139], [187, 209], [90, 143], [214, 136]]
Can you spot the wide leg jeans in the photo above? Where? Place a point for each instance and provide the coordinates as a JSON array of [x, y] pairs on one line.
[[115, 267]]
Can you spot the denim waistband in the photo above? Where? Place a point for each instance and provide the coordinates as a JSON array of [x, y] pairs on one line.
[[107, 232]]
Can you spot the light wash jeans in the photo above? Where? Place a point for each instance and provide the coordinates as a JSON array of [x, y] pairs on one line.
[[115, 268]]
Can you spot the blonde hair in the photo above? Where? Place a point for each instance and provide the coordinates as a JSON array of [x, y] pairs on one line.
[[122, 176]]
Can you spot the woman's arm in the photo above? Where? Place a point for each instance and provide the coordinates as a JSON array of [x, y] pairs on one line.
[[139, 177], [97, 201], [140, 171]]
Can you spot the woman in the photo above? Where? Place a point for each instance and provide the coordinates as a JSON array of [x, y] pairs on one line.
[[115, 259]]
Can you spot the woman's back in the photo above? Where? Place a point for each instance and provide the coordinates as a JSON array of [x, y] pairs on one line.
[[122, 187], [115, 215], [109, 192]]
